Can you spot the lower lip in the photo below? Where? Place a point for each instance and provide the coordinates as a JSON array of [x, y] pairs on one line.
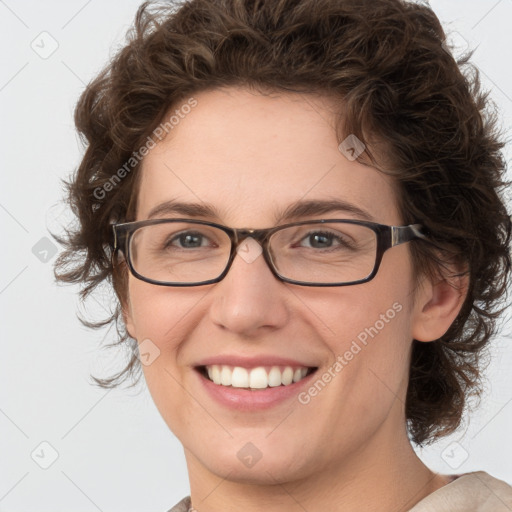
[[250, 400]]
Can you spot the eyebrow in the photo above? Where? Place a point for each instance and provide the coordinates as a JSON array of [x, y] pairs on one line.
[[294, 211]]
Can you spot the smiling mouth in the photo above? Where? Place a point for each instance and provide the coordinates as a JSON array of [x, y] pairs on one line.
[[257, 378]]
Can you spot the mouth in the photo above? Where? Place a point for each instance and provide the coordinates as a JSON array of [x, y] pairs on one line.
[[257, 378]]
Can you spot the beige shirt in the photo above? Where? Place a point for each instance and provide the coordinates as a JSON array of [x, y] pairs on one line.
[[470, 492]]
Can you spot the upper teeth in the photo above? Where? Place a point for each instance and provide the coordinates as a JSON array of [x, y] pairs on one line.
[[258, 378]]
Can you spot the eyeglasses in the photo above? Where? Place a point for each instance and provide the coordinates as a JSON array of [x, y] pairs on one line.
[[328, 252]]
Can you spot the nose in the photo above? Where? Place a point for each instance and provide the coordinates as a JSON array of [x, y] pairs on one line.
[[250, 298]]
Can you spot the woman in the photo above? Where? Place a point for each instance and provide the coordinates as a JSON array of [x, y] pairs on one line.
[[299, 206]]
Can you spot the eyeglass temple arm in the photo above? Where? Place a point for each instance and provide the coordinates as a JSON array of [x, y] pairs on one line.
[[114, 241], [402, 234], [117, 243]]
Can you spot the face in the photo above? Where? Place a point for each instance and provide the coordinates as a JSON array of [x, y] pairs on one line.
[[250, 156]]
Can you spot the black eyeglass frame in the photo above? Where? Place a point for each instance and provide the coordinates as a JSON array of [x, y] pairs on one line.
[[387, 237]]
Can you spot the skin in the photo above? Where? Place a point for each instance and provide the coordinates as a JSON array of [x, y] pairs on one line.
[[347, 449]]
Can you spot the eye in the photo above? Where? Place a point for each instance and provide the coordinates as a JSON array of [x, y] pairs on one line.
[[187, 240], [326, 239]]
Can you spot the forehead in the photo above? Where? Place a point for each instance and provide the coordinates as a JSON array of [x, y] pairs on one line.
[[248, 157]]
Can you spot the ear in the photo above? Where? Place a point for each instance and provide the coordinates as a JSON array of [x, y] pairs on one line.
[[437, 304], [128, 319], [121, 287]]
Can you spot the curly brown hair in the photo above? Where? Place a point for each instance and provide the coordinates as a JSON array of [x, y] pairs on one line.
[[401, 91]]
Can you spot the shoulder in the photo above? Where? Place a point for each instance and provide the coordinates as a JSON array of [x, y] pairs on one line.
[[182, 506], [476, 491]]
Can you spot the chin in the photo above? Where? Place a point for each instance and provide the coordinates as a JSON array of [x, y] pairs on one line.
[[248, 465]]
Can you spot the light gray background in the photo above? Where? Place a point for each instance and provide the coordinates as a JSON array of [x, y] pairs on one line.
[[114, 450]]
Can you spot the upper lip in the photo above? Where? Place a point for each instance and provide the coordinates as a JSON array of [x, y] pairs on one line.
[[252, 362]]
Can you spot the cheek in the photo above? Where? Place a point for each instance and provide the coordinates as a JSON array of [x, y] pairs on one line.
[[158, 312], [162, 320], [368, 371], [372, 334], [378, 311], [371, 344]]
